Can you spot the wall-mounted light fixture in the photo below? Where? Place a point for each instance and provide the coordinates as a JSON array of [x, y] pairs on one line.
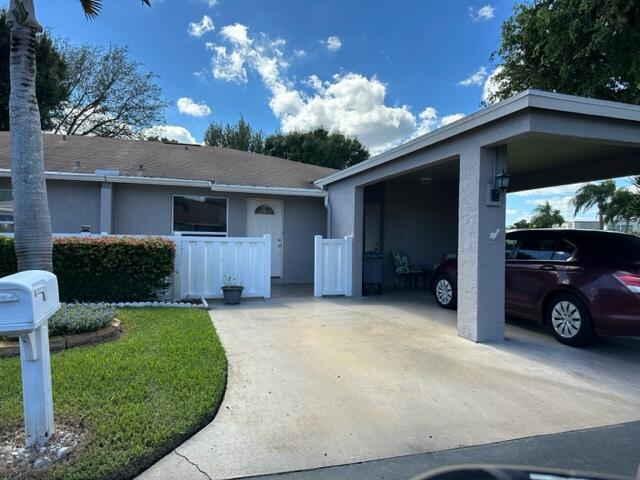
[[500, 185]]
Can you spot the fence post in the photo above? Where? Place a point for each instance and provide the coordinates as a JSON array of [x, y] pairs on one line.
[[317, 266], [348, 266], [177, 267], [267, 266]]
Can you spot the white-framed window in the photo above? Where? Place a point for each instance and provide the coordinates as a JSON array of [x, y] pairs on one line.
[[6, 211], [199, 215]]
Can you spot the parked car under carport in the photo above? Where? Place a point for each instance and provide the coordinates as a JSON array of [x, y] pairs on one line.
[[579, 282]]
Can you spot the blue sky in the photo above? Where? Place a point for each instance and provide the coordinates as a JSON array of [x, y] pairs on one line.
[[383, 71]]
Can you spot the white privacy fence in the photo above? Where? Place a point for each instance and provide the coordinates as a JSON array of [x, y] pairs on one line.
[[333, 265], [205, 264]]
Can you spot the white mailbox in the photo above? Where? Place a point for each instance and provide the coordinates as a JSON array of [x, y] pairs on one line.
[[27, 300]]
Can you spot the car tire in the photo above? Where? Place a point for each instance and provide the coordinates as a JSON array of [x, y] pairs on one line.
[[445, 292], [570, 320]]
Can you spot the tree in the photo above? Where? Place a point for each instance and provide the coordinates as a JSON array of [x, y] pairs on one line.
[[32, 223], [621, 207], [520, 225], [108, 95], [317, 147], [579, 47], [597, 195], [635, 206], [546, 216], [239, 136], [51, 75]]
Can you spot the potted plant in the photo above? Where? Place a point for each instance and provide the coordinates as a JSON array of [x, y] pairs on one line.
[[231, 290]]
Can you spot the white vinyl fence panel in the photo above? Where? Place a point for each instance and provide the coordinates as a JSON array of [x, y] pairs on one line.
[[333, 266], [205, 264]]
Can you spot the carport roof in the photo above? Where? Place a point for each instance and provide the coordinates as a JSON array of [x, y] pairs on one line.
[[527, 99]]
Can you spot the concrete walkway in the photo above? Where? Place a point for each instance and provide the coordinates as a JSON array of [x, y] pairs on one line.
[[315, 383]]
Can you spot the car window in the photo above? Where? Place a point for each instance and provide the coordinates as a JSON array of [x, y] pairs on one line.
[[536, 249], [564, 251], [510, 247]]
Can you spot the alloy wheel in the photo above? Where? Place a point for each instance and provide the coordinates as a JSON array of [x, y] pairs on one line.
[[444, 292], [566, 319]]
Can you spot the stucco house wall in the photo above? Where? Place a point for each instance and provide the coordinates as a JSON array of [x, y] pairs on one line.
[[147, 210], [421, 222]]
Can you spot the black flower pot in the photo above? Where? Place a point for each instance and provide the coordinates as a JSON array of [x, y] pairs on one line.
[[232, 295]]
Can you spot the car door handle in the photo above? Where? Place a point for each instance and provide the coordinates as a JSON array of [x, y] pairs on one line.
[[547, 267]]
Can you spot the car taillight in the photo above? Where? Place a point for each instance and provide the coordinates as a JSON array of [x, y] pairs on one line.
[[629, 280]]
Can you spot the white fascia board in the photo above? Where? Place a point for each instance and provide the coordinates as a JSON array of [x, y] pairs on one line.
[[523, 100], [177, 182], [300, 192]]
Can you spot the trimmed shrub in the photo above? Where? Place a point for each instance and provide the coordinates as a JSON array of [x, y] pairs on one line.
[[8, 263], [77, 318], [105, 269]]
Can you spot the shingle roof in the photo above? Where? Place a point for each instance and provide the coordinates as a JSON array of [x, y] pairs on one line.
[[160, 160]]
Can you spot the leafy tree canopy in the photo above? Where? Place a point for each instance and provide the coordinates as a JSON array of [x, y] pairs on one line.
[[520, 224], [239, 136], [546, 217], [109, 96], [580, 47], [51, 77], [317, 147]]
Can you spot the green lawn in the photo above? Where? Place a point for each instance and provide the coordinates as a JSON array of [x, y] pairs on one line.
[[140, 396]]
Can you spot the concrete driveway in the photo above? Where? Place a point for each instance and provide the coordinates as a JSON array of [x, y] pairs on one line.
[[321, 382]]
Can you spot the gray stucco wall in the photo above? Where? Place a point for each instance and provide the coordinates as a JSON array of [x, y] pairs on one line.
[[147, 210], [420, 221]]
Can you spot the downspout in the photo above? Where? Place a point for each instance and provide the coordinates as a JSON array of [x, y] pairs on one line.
[[327, 205]]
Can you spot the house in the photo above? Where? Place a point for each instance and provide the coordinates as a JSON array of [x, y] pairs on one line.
[[617, 226], [115, 186]]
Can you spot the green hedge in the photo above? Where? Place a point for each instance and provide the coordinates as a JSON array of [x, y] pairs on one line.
[[105, 269]]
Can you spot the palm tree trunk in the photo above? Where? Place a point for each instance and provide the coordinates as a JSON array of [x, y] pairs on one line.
[[601, 219], [33, 241]]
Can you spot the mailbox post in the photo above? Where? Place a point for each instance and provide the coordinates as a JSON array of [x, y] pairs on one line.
[[27, 301]]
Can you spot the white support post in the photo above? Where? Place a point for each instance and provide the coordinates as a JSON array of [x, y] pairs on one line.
[[177, 268], [267, 266], [317, 266], [348, 266], [36, 386]]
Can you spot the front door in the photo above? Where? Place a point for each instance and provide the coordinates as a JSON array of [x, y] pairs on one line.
[[265, 217]]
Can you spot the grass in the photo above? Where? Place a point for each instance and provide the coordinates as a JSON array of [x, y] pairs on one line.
[[139, 396]]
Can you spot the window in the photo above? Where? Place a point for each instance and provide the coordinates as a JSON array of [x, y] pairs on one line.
[[564, 251], [536, 249], [199, 214], [6, 211], [510, 247], [264, 210]]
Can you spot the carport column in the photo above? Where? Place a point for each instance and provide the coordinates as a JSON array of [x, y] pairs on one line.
[[106, 202], [481, 247]]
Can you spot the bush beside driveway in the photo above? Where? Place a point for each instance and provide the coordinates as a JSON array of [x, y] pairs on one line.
[[139, 397]]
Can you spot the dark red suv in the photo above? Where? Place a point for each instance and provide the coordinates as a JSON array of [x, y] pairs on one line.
[[580, 282]]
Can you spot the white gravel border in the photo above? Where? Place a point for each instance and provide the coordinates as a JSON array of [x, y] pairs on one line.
[[146, 304]]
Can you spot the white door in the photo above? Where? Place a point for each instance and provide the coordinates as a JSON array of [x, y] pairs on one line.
[[265, 217]]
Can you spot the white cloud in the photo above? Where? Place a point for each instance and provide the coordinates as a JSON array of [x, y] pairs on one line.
[[187, 106], [429, 119], [212, 3], [483, 13], [171, 132], [491, 85], [198, 29], [299, 53], [454, 117], [476, 78], [511, 211], [333, 43], [350, 102]]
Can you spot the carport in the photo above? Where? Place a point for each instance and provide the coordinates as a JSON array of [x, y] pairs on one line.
[[539, 139]]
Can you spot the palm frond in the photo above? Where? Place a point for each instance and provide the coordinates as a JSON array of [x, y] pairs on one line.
[[92, 8]]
